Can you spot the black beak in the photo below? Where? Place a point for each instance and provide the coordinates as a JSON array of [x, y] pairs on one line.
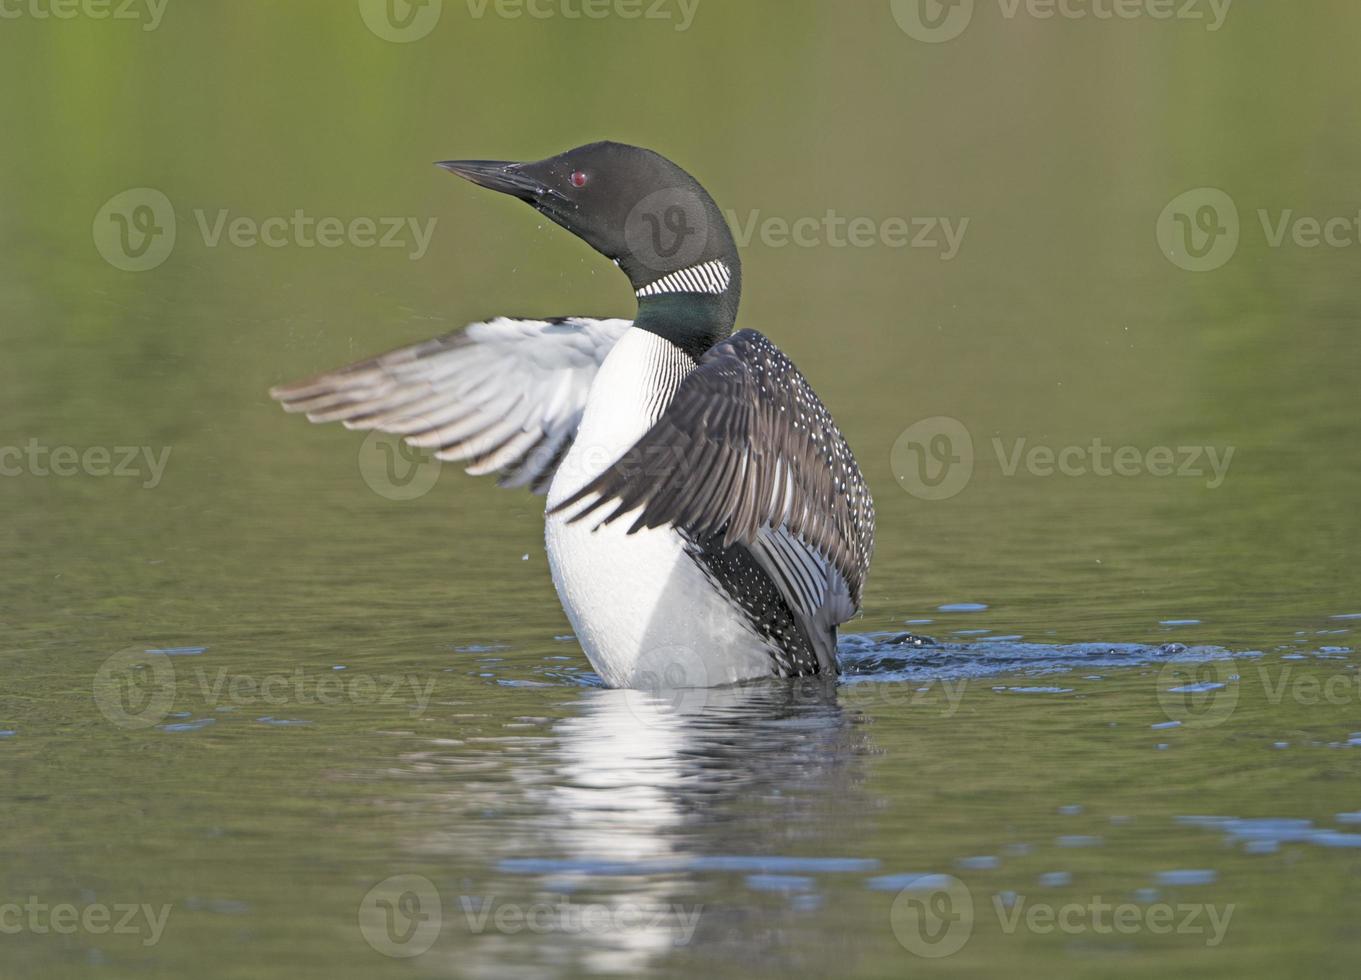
[[496, 175]]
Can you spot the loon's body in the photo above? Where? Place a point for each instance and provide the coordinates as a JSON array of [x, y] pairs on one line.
[[706, 522], [642, 604]]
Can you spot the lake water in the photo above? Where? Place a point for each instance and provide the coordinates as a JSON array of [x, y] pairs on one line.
[[278, 703]]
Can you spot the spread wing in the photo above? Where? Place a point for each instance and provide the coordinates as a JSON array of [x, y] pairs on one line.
[[505, 395], [746, 449]]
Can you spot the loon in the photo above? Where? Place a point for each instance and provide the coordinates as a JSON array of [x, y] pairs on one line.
[[706, 523]]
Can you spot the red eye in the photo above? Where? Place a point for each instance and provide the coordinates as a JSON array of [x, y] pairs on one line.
[[579, 179]]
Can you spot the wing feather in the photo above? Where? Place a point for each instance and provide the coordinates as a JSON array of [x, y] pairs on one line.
[[505, 396], [745, 447]]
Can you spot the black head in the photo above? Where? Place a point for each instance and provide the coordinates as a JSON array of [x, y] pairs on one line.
[[633, 206]]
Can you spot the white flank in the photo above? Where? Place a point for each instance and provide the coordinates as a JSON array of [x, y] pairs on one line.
[[645, 613]]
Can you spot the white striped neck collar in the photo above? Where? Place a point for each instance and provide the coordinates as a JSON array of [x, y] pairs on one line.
[[712, 278]]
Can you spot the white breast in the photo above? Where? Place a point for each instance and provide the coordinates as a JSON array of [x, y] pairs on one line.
[[645, 613]]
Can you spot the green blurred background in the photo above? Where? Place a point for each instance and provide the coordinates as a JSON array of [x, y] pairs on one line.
[[1058, 321]]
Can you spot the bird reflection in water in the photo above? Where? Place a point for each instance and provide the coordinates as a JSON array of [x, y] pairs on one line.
[[652, 805]]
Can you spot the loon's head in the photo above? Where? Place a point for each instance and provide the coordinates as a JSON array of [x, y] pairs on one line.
[[633, 206]]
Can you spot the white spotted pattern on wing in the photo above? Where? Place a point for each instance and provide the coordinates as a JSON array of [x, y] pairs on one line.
[[747, 449]]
